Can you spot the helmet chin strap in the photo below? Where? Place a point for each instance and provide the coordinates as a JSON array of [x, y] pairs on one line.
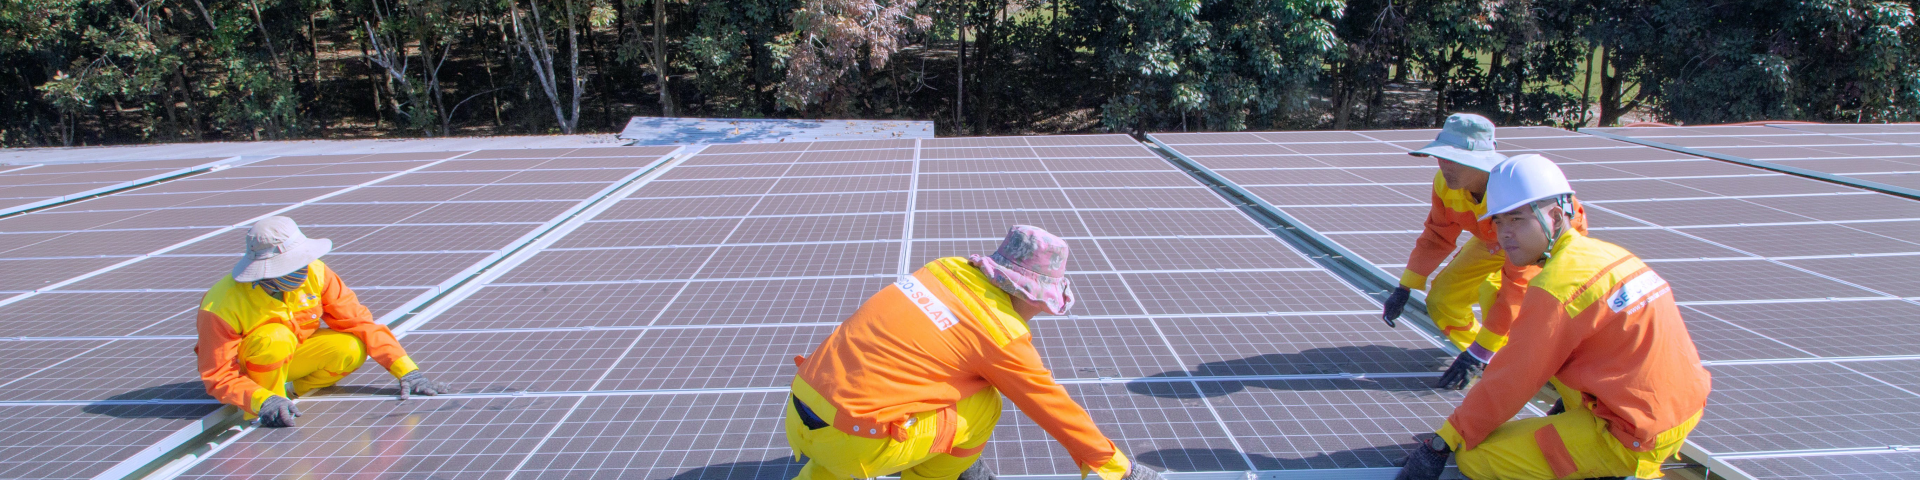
[[1553, 232]]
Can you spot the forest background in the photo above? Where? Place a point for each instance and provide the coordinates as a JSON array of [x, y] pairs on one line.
[[91, 72]]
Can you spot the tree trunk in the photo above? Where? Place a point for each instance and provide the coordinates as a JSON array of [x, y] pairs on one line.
[[960, 80], [1612, 104], [660, 57]]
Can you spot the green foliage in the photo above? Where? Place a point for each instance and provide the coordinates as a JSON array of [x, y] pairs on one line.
[[1223, 63], [104, 71]]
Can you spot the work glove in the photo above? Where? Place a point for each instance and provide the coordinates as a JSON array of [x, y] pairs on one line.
[[978, 471], [416, 383], [1559, 407], [1395, 303], [1136, 471], [1427, 461], [1465, 367], [277, 412]]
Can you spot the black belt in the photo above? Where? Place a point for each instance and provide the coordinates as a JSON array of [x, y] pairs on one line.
[[807, 417]]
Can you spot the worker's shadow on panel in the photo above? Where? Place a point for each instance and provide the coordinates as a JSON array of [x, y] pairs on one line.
[[1203, 459], [119, 406], [1409, 371], [784, 467]]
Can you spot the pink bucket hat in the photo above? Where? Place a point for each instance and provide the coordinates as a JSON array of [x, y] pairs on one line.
[[1032, 263]]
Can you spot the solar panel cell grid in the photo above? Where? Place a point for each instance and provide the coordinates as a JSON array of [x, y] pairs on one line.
[[83, 441], [1200, 254], [642, 208], [1102, 295], [1234, 292], [826, 228], [134, 369], [979, 166], [1833, 467], [609, 234], [969, 181], [107, 313], [706, 358], [103, 243], [451, 438], [1749, 280], [22, 358], [828, 300], [679, 436], [1881, 327], [803, 260], [557, 306], [599, 266], [478, 363], [1800, 406], [1317, 424], [993, 224], [1103, 348], [1183, 198], [991, 199], [1157, 424], [489, 212], [408, 238], [831, 203], [1299, 345]]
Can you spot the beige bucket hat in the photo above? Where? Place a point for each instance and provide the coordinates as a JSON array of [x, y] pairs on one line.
[[275, 247]]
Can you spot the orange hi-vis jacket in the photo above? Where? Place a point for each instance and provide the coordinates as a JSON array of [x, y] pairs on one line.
[[1604, 324], [232, 309], [1454, 211], [931, 339]]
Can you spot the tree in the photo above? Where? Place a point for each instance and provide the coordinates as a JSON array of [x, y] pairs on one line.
[[532, 31], [832, 37]]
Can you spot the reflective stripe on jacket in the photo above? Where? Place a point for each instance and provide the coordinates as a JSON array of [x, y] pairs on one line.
[[1603, 323], [933, 338], [232, 309]]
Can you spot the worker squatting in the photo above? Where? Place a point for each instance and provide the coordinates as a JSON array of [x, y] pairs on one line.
[[912, 382]]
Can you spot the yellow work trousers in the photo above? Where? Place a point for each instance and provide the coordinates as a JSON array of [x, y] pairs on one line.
[[274, 356], [1472, 277], [1574, 444], [832, 454]]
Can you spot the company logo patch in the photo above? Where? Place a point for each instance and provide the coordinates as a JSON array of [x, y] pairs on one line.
[[1635, 289], [928, 304]]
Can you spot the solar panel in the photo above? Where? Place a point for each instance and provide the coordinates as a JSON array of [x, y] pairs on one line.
[[29, 186], [662, 323], [104, 297], [1882, 154], [1780, 276]]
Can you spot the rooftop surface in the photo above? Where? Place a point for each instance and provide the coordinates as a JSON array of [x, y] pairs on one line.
[[634, 311]]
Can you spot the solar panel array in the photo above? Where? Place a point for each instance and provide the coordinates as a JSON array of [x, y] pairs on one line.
[[653, 337], [27, 186], [598, 322], [1884, 154], [1795, 290], [99, 295]]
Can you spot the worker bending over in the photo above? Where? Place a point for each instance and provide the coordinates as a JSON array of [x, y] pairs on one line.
[[911, 383], [1599, 325], [261, 326], [1479, 273]]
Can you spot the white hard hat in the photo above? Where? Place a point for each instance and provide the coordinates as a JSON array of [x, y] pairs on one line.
[[1522, 180]]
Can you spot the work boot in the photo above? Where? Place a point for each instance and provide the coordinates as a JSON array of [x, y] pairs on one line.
[[978, 471]]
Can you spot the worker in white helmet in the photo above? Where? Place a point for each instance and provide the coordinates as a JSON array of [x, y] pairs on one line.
[[1600, 326], [1478, 273]]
